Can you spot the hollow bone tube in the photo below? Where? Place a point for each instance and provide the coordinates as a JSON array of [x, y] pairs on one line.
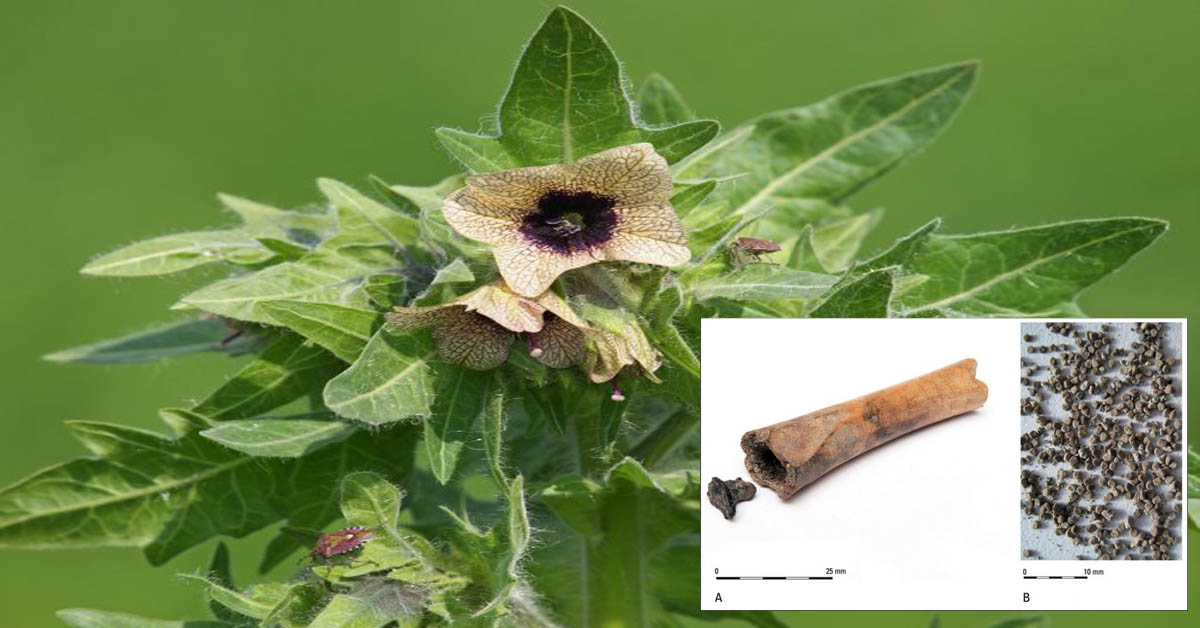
[[788, 456]]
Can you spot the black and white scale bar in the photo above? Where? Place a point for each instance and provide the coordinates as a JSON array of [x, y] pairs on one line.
[[1055, 577], [774, 577]]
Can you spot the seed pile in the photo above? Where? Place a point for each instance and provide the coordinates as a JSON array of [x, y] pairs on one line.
[[1105, 472]]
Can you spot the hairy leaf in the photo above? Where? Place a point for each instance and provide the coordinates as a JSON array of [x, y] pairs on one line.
[[389, 382], [343, 330], [901, 250], [660, 103], [754, 282], [830, 149], [286, 370], [88, 618], [344, 611], [368, 499], [865, 296], [319, 276], [267, 437], [460, 398], [159, 342], [398, 228], [1036, 271], [180, 251], [623, 527], [566, 100], [168, 495], [835, 244]]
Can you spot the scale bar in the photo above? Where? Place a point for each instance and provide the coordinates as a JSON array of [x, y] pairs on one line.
[[1055, 577], [774, 577]]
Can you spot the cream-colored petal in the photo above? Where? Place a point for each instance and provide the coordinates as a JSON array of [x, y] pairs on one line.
[[478, 218], [561, 344], [472, 341], [497, 302], [520, 187], [609, 352], [631, 175], [559, 307], [651, 234], [642, 351], [411, 318], [529, 269]]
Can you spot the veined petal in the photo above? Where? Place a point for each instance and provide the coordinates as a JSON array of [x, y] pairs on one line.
[[482, 217], [632, 175], [609, 352], [530, 271], [472, 340], [511, 310], [411, 318], [561, 344], [559, 307]]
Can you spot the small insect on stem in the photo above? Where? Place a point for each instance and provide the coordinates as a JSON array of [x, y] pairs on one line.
[[746, 247], [341, 541]]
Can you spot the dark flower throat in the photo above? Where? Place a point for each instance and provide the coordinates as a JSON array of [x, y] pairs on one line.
[[571, 222]]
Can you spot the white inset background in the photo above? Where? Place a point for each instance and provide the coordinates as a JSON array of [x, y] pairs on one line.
[[930, 520]]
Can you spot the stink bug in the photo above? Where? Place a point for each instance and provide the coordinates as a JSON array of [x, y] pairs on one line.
[[753, 248], [341, 542]]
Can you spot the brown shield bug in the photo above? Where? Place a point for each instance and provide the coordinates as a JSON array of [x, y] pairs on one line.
[[746, 247], [341, 541]]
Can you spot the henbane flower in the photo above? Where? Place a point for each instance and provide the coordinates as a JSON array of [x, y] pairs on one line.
[[546, 220], [477, 330]]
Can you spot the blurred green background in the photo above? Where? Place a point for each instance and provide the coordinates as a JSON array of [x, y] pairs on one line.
[[121, 120]]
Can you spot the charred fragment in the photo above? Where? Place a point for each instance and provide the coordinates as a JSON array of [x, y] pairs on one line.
[[725, 495]]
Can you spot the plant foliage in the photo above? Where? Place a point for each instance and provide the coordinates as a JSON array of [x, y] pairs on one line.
[[339, 418]]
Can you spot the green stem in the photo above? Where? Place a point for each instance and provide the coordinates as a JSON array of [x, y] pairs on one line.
[[665, 437]]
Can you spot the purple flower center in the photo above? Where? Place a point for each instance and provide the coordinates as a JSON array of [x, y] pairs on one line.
[[570, 222]]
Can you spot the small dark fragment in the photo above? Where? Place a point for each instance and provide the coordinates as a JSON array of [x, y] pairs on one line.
[[726, 494]]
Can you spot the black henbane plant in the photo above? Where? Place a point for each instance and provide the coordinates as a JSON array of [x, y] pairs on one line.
[[532, 324]]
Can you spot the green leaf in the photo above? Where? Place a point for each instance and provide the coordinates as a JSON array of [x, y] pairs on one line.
[[1036, 271], [319, 276], [344, 611], [754, 282], [297, 225], [369, 499], [567, 99], [801, 254], [180, 251], [169, 495], [257, 603], [157, 343], [88, 618], [389, 382], [836, 244], [493, 436], [659, 103], [518, 527], [265, 437], [865, 296], [902, 250], [624, 527], [832, 148], [400, 229], [688, 198], [286, 370], [342, 330], [461, 397]]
